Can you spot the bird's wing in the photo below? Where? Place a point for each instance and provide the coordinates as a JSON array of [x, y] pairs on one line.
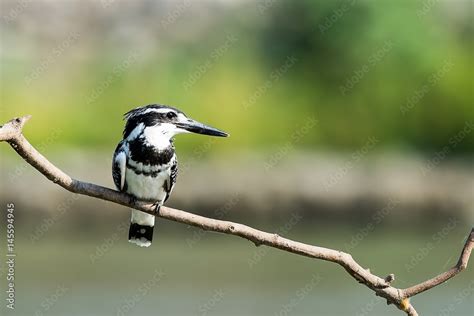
[[119, 163], [169, 184]]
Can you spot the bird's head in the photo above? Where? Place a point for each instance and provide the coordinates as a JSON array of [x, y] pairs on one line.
[[165, 122]]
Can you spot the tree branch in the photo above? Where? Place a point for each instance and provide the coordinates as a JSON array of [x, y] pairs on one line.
[[11, 132]]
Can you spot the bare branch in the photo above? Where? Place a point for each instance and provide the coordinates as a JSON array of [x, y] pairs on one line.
[[11, 132]]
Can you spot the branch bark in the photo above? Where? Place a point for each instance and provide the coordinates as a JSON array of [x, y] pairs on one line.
[[11, 132]]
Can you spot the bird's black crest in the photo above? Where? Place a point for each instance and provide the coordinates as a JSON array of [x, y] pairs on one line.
[[140, 115], [140, 110]]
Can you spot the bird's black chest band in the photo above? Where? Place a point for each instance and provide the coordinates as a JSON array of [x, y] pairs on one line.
[[149, 155]]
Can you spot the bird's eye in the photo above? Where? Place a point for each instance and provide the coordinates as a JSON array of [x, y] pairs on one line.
[[171, 115]]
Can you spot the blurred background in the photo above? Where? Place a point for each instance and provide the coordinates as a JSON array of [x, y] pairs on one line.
[[351, 127]]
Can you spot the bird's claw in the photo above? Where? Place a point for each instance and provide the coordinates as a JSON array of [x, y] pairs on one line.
[[157, 207], [132, 200]]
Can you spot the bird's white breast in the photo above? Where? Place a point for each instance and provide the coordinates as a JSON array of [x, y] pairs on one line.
[[147, 187]]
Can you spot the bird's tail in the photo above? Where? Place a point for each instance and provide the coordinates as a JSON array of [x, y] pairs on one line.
[[141, 228]]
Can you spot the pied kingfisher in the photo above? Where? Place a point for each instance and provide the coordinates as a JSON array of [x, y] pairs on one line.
[[144, 163]]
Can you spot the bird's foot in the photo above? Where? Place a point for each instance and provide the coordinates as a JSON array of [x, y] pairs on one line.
[[157, 206], [132, 200]]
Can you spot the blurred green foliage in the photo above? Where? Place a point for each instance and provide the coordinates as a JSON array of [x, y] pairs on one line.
[[401, 72]]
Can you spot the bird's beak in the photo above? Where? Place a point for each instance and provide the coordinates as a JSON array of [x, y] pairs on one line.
[[199, 128]]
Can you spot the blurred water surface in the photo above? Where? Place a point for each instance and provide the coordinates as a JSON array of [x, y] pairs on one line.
[[222, 275]]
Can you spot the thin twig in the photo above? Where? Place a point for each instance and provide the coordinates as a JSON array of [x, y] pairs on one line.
[[445, 276], [11, 132]]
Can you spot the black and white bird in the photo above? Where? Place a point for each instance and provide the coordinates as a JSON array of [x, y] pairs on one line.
[[144, 163]]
